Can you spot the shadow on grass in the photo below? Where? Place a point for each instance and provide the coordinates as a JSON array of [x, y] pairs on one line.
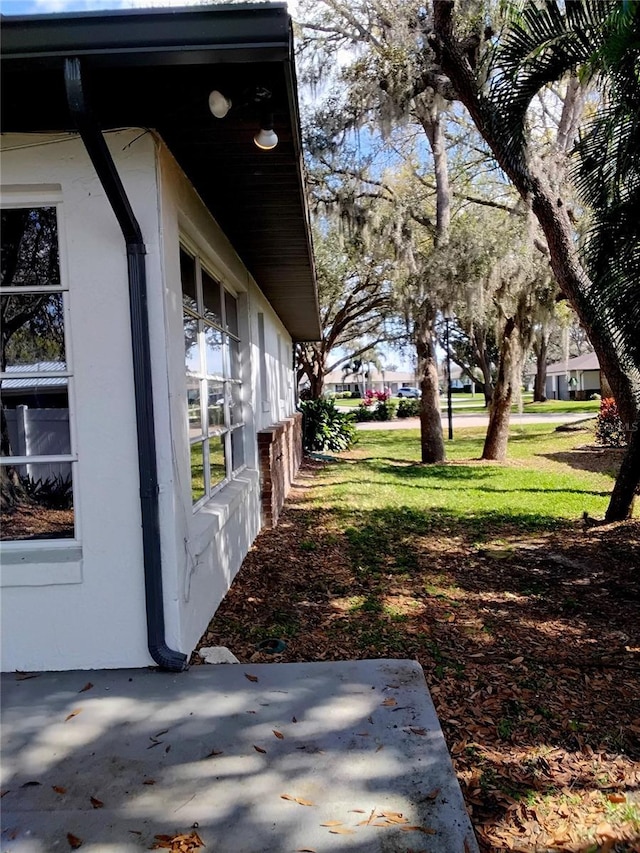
[[605, 460]]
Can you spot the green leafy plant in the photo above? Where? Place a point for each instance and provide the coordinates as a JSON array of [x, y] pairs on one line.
[[364, 413], [325, 428], [408, 408], [385, 410], [55, 492], [609, 427]]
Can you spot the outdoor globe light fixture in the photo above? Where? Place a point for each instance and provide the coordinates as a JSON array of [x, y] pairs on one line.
[[266, 138], [219, 104]]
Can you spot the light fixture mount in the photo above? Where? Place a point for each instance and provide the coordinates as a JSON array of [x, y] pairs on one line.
[[219, 104]]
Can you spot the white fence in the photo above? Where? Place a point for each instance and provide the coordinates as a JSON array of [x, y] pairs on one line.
[[40, 432]]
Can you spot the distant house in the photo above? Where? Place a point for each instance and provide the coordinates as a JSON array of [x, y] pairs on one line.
[[159, 271], [575, 379], [374, 380]]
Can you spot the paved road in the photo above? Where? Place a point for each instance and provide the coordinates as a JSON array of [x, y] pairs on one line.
[[477, 420]]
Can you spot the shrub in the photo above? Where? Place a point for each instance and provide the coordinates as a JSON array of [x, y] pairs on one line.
[[408, 408], [609, 427], [385, 410], [325, 428], [364, 412], [376, 406], [55, 492]]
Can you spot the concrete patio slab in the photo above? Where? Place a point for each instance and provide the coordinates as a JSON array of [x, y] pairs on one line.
[[217, 747]]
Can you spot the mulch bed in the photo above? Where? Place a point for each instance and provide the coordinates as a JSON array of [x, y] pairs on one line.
[[530, 647], [33, 521]]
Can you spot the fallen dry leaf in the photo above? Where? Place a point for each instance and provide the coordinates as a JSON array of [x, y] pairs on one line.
[[617, 798], [426, 829], [72, 714], [332, 823], [605, 830], [297, 800], [517, 660], [96, 803], [279, 735], [59, 789], [182, 843], [250, 677], [74, 841], [432, 795], [259, 749], [341, 830], [358, 811], [87, 686], [149, 782], [389, 703], [417, 731]]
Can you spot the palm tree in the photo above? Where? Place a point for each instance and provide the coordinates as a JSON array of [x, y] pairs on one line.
[[541, 42]]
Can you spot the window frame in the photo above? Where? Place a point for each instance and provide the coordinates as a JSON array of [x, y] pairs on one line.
[[49, 197], [205, 378]]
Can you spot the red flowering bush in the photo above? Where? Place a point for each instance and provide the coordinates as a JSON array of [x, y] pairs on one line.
[[372, 398], [376, 406], [609, 427]]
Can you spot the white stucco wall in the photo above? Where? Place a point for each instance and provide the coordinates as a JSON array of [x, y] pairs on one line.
[[207, 546], [81, 605]]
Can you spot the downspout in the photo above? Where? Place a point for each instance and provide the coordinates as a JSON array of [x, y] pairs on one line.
[[103, 163]]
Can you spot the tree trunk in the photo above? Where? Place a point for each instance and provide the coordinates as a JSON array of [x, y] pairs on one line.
[[626, 485], [431, 438], [540, 383], [550, 212], [485, 367], [478, 341], [497, 438], [433, 125], [11, 489], [316, 385]]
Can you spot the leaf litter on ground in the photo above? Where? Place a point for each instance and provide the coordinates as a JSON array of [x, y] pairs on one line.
[[536, 682]]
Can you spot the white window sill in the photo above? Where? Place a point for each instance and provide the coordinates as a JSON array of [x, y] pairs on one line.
[[40, 563], [210, 518]]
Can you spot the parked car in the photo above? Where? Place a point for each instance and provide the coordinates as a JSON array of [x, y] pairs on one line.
[[408, 392]]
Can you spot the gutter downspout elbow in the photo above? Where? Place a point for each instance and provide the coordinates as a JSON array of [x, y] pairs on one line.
[[108, 175]]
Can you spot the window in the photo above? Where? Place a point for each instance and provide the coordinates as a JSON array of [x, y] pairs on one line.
[[214, 389], [36, 461]]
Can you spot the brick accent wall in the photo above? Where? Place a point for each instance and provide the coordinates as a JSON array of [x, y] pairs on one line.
[[280, 454]]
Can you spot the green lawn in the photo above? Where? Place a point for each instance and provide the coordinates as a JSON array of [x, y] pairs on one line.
[[464, 403], [540, 485]]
